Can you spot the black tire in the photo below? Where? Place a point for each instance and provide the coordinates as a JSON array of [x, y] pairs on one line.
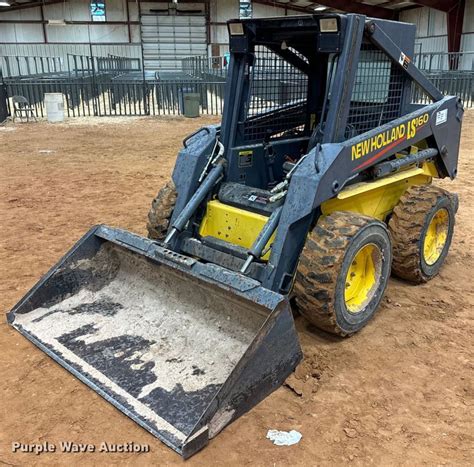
[[160, 212], [327, 257], [409, 225]]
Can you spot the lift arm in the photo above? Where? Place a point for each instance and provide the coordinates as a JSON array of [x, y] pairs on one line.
[[377, 35]]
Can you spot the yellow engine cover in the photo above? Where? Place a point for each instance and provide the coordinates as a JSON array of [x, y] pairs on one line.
[[233, 225]]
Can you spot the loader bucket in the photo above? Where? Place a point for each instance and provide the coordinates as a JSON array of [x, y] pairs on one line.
[[181, 347]]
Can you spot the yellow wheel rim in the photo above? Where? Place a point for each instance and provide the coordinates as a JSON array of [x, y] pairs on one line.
[[363, 278], [436, 237]]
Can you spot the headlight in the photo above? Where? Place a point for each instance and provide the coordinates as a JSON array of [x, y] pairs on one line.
[[236, 29], [328, 25]]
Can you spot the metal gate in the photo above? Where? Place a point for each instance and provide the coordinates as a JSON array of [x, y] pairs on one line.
[[167, 40]]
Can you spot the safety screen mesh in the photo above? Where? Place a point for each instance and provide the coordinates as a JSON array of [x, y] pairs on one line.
[[277, 98], [377, 93]]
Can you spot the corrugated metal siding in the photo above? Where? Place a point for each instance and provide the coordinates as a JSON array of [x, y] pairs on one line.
[[223, 10], [33, 33], [265, 11], [169, 39], [20, 33], [468, 25], [467, 42], [431, 28], [431, 32], [432, 44], [78, 10]]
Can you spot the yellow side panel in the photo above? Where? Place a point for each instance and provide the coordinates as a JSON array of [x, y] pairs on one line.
[[233, 225], [378, 198]]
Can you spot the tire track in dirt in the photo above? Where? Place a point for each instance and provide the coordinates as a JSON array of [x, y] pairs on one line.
[[399, 392]]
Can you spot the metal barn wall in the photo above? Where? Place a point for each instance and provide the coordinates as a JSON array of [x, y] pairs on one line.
[[467, 40], [75, 10], [432, 34], [224, 10], [26, 39], [431, 30]]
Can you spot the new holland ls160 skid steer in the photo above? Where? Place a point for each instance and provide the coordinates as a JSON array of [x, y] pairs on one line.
[[317, 185]]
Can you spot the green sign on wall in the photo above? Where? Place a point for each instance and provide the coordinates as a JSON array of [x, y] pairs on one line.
[[98, 11]]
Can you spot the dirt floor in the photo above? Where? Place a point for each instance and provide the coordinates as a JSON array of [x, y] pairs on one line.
[[400, 392]]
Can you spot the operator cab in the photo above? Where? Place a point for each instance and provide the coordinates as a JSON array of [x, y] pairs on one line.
[[284, 96], [286, 75]]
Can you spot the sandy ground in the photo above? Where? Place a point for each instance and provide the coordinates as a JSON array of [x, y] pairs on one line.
[[399, 392]]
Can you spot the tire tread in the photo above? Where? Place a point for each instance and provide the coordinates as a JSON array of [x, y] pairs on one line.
[[320, 263], [406, 226], [160, 212]]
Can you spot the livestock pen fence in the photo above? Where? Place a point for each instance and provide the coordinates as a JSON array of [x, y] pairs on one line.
[[114, 85], [107, 85], [102, 96]]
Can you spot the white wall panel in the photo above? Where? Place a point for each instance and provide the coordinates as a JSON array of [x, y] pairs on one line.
[[71, 10], [468, 25], [133, 11], [8, 33], [115, 10], [95, 33], [146, 7], [224, 10], [432, 28], [293, 13], [467, 44], [432, 44], [19, 33], [266, 11], [27, 13], [135, 33], [428, 22], [109, 33]]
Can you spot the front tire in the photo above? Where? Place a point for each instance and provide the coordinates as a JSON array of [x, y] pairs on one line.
[[343, 272], [160, 212]]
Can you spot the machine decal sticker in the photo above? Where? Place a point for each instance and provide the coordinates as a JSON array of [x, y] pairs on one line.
[[442, 117], [387, 140], [404, 60], [245, 159]]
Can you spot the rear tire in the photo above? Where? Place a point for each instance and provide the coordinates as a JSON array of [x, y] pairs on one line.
[[343, 272], [422, 227], [160, 212]]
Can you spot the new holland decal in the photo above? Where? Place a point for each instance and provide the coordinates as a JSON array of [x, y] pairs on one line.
[[383, 142]]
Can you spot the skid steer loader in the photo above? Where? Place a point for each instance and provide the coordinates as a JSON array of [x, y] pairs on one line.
[[317, 185]]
